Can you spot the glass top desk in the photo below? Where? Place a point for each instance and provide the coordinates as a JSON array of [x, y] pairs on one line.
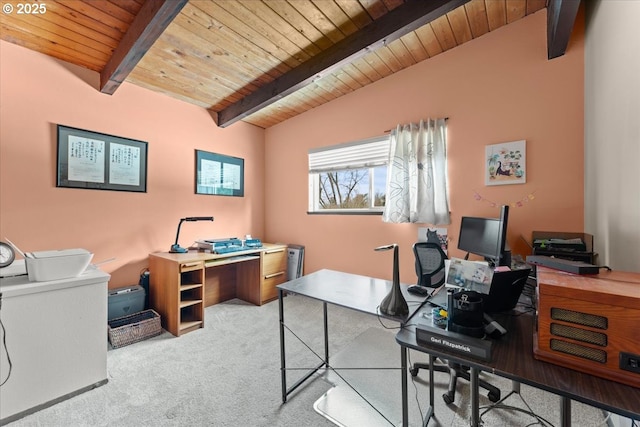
[[351, 291], [512, 357]]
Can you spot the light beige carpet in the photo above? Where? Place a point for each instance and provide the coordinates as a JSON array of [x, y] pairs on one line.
[[228, 374]]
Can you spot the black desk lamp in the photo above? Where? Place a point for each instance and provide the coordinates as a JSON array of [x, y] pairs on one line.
[[394, 303], [176, 248]]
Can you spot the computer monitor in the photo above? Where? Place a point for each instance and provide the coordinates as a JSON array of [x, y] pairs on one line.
[[486, 237]]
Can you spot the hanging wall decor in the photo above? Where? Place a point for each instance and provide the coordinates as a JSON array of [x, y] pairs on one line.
[[514, 204], [98, 161], [219, 175], [505, 163]]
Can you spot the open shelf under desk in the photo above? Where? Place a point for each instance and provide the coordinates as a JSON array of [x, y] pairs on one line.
[[190, 326], [189, 302]]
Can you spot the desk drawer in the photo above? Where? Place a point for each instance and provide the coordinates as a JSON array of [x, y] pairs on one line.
[[191, 266], [275, 261], [269, 291]]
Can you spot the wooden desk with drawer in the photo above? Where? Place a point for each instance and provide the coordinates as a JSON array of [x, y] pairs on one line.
[[181, 285]]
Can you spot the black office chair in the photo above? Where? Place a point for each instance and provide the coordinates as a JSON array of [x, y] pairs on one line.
[[431, 273], [429, 264]]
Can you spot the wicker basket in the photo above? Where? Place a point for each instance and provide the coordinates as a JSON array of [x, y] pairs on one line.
[[133, 328]]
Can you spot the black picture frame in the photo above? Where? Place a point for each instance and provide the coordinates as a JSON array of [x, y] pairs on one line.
[[97, 161], [219, 175]]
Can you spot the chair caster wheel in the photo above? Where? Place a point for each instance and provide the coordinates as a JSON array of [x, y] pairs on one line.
[[413, 372], [494, 397], [447, 398]]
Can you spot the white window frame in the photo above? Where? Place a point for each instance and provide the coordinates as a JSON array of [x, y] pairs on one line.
[[365, 154]]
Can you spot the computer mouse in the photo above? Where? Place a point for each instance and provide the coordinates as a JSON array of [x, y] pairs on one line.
[[418, 290]]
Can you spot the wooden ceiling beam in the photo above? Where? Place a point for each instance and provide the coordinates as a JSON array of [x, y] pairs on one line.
[[561, 16], [395, 24], [148, 25]]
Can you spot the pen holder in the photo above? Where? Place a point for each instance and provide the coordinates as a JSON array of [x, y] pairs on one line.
[[449, 305], [466, 313]]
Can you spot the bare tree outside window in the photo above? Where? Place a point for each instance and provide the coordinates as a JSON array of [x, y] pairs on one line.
[[349, 178], [349, 189]]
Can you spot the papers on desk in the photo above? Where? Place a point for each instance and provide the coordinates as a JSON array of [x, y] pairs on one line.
[[470, 275], [462, 274]]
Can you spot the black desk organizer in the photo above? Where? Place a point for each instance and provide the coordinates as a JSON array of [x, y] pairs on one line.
[[464, 336]]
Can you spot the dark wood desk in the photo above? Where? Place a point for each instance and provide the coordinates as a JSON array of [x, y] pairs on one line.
[[512, 357]]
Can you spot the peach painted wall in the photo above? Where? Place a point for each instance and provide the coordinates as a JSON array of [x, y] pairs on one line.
[[38, 92], [497, 88]]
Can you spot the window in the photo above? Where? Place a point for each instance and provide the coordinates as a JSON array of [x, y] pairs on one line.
[[349, 178]]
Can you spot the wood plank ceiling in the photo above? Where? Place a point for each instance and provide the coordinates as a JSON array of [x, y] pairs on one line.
[[225, 54]]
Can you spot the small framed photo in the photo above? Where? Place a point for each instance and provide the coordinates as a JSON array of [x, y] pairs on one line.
[[219, 175], [98, 161], [505, 163]]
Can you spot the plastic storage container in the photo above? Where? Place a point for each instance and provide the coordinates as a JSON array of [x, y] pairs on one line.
[[126, 300], [44, 266]]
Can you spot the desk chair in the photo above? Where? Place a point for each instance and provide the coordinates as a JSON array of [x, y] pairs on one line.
[[430, 269]]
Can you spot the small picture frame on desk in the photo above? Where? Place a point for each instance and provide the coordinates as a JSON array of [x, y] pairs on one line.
[[98, 161], [219, 175]]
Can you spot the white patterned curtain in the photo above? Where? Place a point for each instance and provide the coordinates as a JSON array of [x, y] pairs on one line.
[[417, 174]]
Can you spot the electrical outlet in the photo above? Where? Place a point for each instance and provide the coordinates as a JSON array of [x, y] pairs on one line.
[[630, 362]]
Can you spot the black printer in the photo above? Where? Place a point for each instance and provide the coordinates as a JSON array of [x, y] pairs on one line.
[[565, 245]]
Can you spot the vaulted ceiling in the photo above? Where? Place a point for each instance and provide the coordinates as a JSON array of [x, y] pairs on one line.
[[262, 61]]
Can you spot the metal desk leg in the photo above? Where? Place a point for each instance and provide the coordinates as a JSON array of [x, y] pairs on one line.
[[432, 361], [432, 391], [475, 397], [283, 367], [405, 398], [326, 335], [565, 411], [283, 364], [403, 373]]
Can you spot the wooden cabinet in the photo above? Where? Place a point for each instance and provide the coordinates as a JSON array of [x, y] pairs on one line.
[[274, 272], [182, 285]]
